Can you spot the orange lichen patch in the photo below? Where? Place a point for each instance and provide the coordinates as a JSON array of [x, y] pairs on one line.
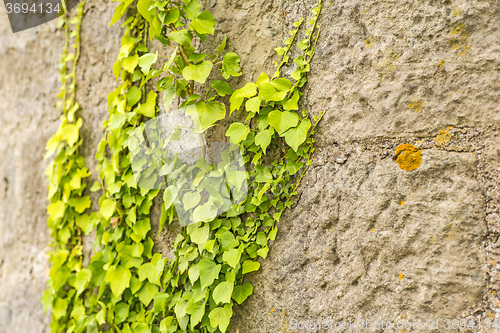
[[401, 276], [401, 203], [408, 157], [373, 229], [443, 137]]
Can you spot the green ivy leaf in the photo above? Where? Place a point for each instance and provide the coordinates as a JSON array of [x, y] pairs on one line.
[[171, 16], [230, 65], [204, 23], [149, 108], [222, 45], [169, 195], [253, 104], [56, 210], [107, 208], [80, 204], [249, 266], [145, 62], [220, 317], [222, 87], [247, 91], [133, 95], [140, 228], [232, 257], [130, 63], [294, 137], [205, 213], [198, 235], [209, 271], [275, 90], [192, 9], [144, 8], [190, 199], [206, 114], [282, 120], [237, 132], [118, 278], [222, 293], [241, 293], [292, 103], [82, 280], [147, 292], [263, 139], [182, 37], [198, 73]]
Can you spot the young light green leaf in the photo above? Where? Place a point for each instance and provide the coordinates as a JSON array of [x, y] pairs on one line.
[[204, 23], [198, 73], [241, 293], [237, 132], [282, 120], [144, 8], [145, 62], [107, 208], [205, 213], [232, 257], [169, 195], [182, 37], [296, 136], [263, 139], [222, 87], [82, 280], [206, 114], [199, 235], [171, 16], [249, 266], [118, 278], [130, 63], [220, 317], [292, 103], [222, 45], [239, 95], [230, 65], [222, 293], [253, 104], [149, 108], [209, 271], [190, 199]]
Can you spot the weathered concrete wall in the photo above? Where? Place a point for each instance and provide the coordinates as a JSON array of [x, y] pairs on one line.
[[366, 240]]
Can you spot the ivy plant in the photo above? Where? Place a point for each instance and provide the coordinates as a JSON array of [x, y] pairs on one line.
[[127, 287]]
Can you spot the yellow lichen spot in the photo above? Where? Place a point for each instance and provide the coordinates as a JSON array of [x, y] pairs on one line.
[[408, 157], [401, 203], [373, 229], [456, 12], [459, 41], [494, 292], [271, 312], [417, 105], [441, 63], [443, 137], [401, 276], [368, 42], [490, 315]]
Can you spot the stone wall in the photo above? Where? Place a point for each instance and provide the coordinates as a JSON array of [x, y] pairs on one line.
[[366, 239]]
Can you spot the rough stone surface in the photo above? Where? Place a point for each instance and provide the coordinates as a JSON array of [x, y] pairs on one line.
[[365, 240]]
